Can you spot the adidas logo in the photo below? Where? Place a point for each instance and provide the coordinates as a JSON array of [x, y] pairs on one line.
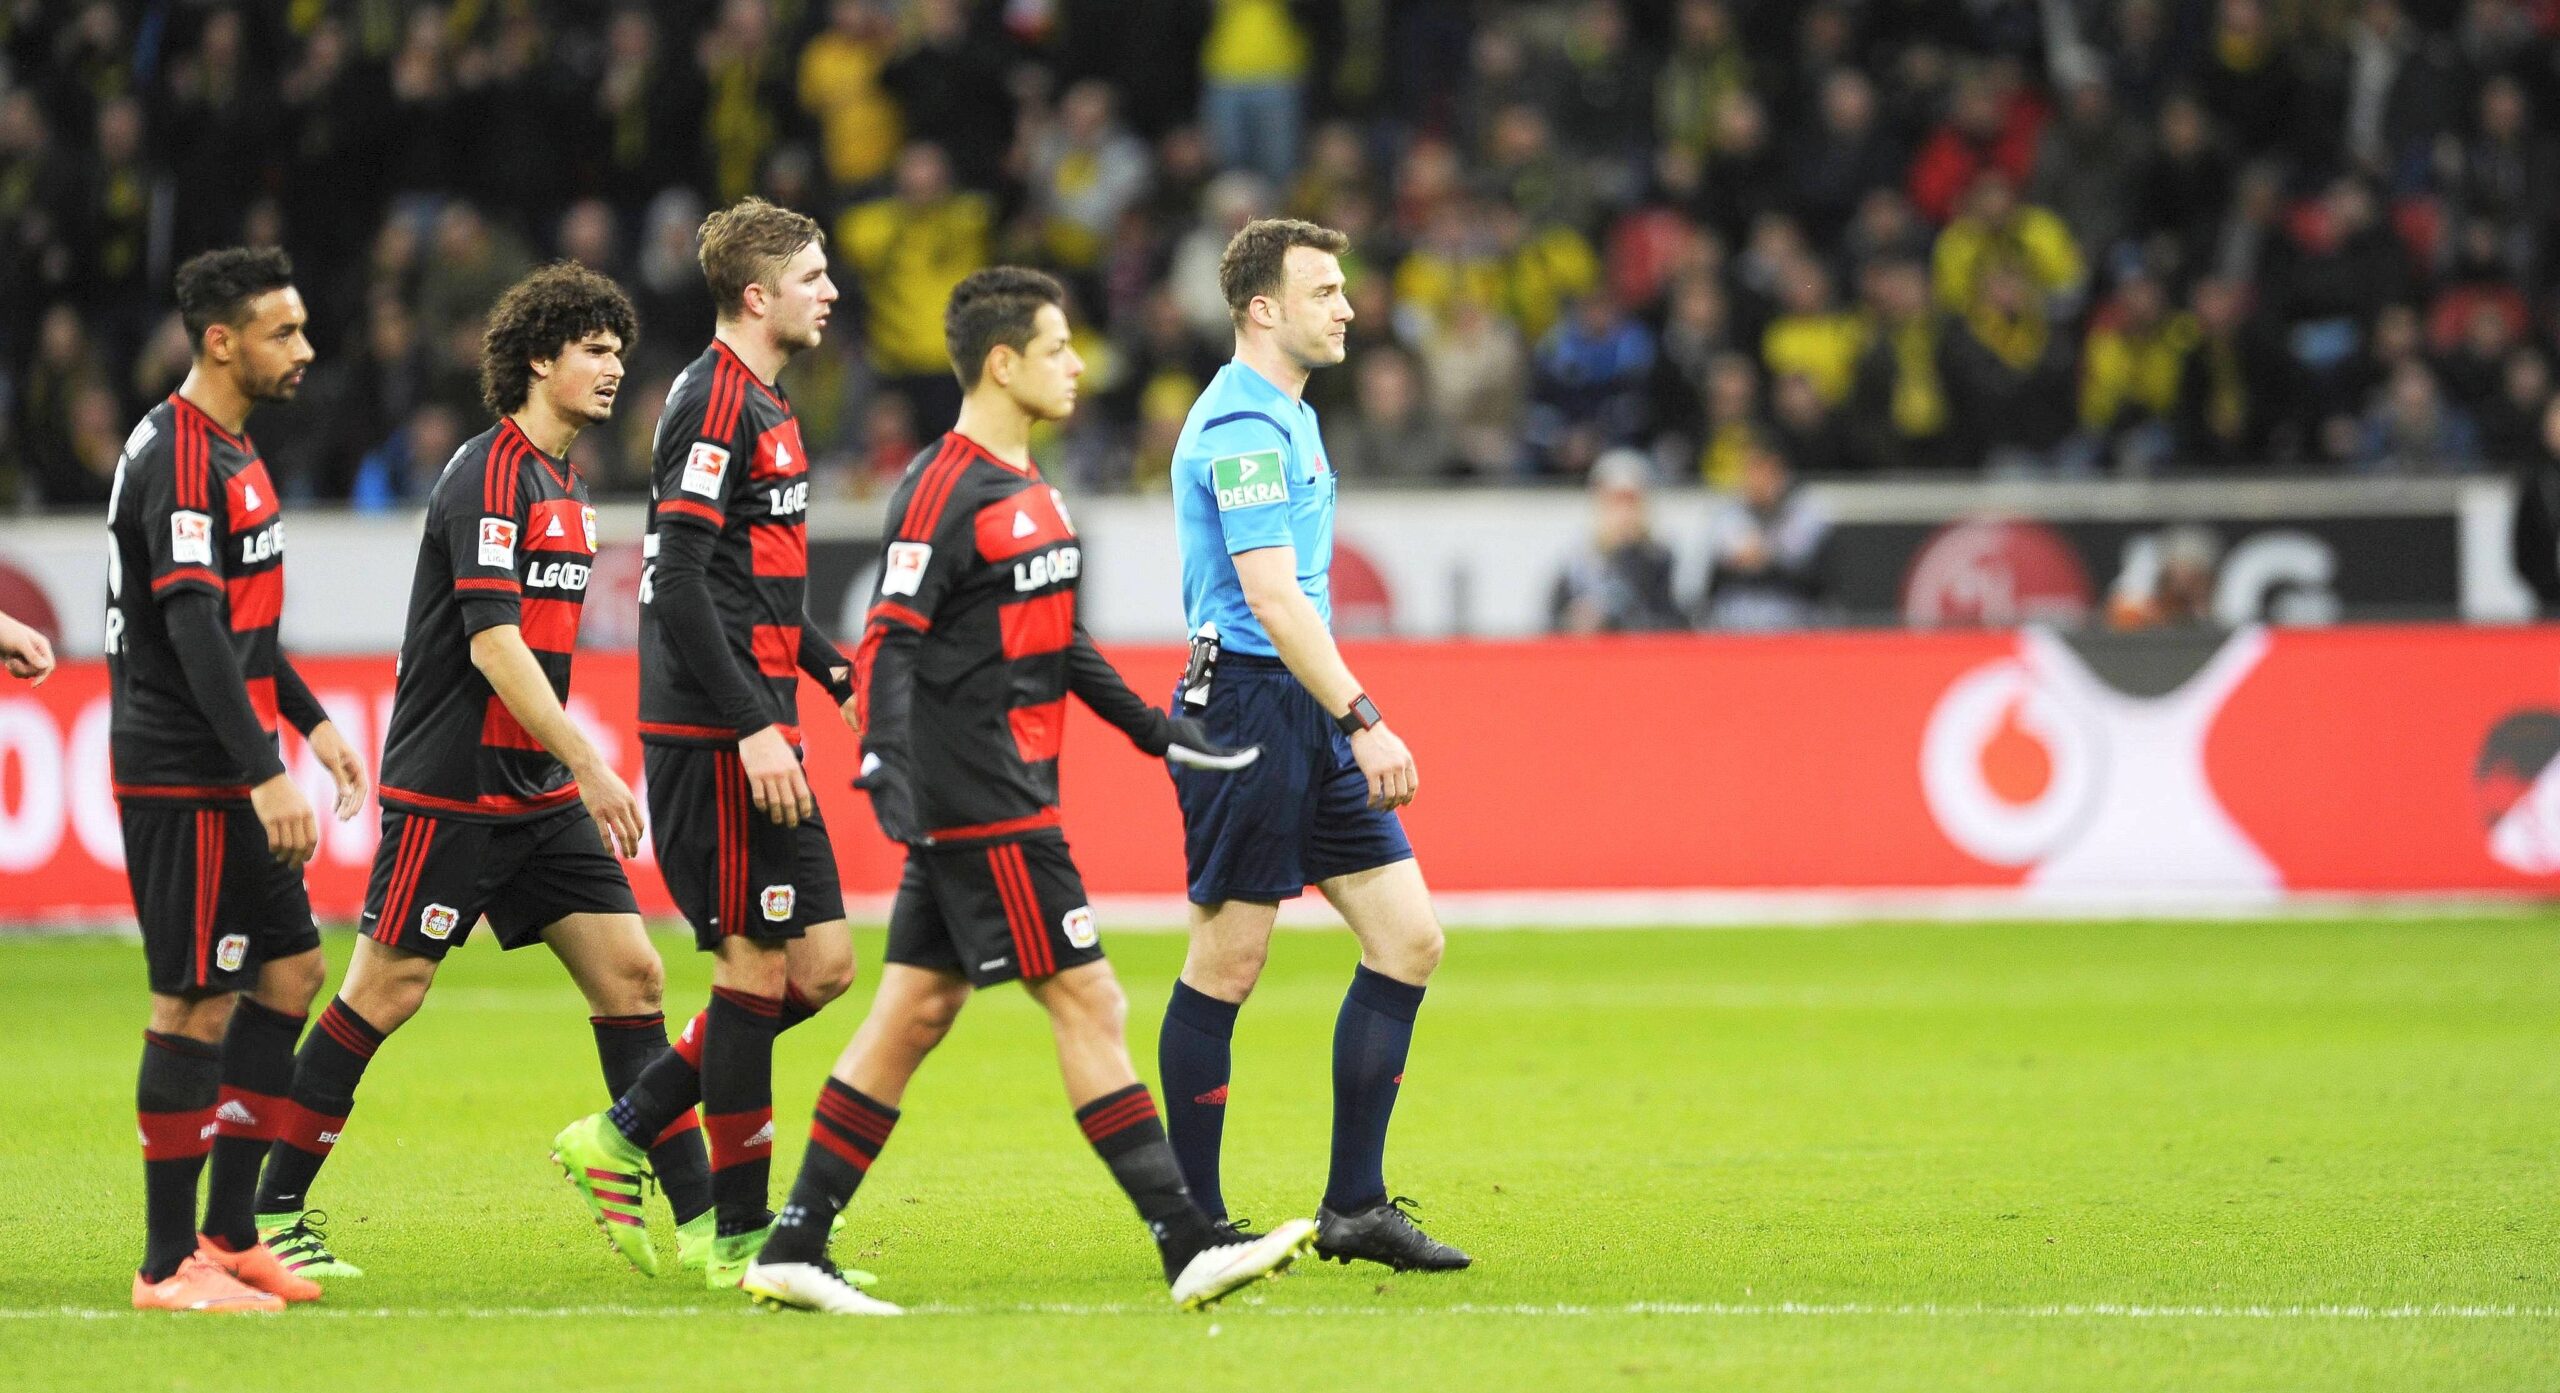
[[1214, 1098], [555, 529], [1023, 526], [237, 1114], [249, 496], [763, 1137]]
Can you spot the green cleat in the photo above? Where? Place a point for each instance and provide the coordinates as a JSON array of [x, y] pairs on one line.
[[297, 1241], [731, 1256], [608, 1172], [695, 1236]]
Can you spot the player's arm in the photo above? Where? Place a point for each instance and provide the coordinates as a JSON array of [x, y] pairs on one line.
[[295, 703], [24, 652], [1185, 741], [481, 548], [695, 478], [187, 541], [827, 666], [915, 578], [1270, 579]]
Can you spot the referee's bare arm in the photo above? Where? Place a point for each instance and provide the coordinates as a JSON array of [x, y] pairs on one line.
[[1270, 579]]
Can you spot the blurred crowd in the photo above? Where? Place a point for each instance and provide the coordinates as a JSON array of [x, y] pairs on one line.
[[1737, 241]]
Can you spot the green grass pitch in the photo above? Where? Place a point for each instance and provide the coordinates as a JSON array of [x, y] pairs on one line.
[[2228, 1156]]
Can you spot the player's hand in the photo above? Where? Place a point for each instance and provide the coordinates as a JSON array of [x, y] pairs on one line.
[[852, 710], [345, 768], [774, 781], [293, 831], [1388, 766], [1187, 743], [25, 652], [609, 801], [893, 803]]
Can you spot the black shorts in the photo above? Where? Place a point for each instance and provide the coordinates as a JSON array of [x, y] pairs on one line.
[[433, 877], [729, 868], [214, 904], [992, 912]]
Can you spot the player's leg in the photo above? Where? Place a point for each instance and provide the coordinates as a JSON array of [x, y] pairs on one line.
[[1230, 942], [174, 859], [257, 1061], [1389, 910], [857, 1108], [609, 956]]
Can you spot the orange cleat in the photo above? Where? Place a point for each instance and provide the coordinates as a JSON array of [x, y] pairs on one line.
[[258, 1268], [200, 1285]]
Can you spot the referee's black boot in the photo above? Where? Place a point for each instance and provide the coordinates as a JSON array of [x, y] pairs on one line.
[[1384, 1233]]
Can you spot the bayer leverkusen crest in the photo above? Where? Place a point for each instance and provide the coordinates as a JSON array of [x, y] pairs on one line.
[[777, 901]]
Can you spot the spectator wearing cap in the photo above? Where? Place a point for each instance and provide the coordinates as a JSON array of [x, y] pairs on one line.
[[1767, 551], [1621, 582]]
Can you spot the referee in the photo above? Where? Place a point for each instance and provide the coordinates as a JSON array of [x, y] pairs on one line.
[[1253, 509]]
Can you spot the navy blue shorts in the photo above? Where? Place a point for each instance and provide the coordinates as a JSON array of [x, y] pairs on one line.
[[1296, 817]]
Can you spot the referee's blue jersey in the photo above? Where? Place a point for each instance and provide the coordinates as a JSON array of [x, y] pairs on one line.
[[1249, 472]]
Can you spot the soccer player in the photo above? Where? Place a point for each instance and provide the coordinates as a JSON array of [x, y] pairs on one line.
[[215, 830], [1253, 514], [24, 653], [966, 662], [724, 638], [493, 802]]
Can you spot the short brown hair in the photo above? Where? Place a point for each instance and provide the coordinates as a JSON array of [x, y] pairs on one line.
[[216, 287], [558, 305], [1257, 258], [998, 305], [746, 244]]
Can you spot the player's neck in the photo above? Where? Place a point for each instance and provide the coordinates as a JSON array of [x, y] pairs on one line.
[[758, 351], [211, 394], [550, 432], [994, 424], [1276, 367]]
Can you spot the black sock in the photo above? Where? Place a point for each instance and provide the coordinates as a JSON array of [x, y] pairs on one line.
[[845, 1137], [737, 1106], [173, 1100], [1124, 1131], [325, 1074], [257, 1073], [627, 1046], [657, 1109], [1370, 1039], [1193, 1059]]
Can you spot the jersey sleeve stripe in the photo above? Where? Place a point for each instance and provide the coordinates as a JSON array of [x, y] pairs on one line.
[[496, 583], [185, 575], [190, 490], [924, 508], [891, 609], [1234, 416], [687, 508], [728, 393]]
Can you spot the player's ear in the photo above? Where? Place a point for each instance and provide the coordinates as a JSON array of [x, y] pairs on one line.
[[1000, 364]]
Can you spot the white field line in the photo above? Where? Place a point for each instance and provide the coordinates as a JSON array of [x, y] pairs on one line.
[[1714, 1310]]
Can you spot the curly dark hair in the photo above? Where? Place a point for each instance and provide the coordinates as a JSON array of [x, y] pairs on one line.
[[994, 306], [555, 306], [216, 287]]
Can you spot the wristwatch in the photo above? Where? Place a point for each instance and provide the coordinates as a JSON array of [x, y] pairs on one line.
[[1362, 715]]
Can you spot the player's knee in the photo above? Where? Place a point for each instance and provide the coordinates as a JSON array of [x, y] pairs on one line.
[[823, 980], [1414, 955], [932, 1017], [1225, 971], [637, 985], [291, 984], [1094, 1007]]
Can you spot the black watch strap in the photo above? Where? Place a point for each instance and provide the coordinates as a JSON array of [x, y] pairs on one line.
[[1362, 715]]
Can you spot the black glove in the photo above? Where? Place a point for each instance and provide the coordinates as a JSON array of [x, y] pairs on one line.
[[892, 802], [1187, 743]]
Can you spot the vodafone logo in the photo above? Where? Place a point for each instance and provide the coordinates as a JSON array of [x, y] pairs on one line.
[[2007, 767]]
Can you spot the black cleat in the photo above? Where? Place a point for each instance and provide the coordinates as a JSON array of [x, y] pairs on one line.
[[1384, 1233], [1235, 1230]]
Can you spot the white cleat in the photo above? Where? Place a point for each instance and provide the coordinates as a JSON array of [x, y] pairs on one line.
[[810, 1286], [1216, 1272]]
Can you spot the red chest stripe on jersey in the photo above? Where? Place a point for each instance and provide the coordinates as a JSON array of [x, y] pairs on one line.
[[1020, 523], [777, 649], [779, 454], [262, 699], [687, 508], [256, 599], [1039, 732], [933, 489], [250, 497], [778, 549], [558, 524], [1043, 625], [549, 626], [499, 729], [184, 574]]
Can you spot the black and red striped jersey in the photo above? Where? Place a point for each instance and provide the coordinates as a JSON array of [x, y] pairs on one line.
[[192, 509], [981, 560], [510, 539], [730, 471]]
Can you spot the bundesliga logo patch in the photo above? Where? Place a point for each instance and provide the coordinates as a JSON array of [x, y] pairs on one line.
[[777, 901], [497, 542], [1249, 481], [437, 921], [904, 571], [191, 538], [232, 951], [588, 515], [1079, 926], [703, 468]]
